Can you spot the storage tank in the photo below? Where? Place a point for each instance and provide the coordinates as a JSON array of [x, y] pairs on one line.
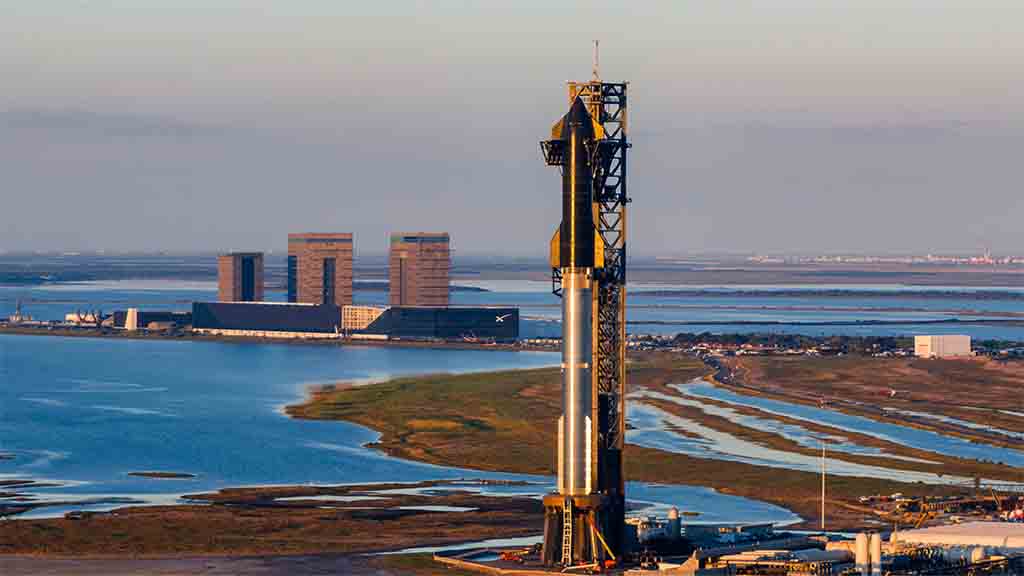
[[131, 321], [876, 554], [674, 527], [861, 555]]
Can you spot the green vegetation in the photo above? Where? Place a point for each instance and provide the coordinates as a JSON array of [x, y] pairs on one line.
[[972, 389], [936, 463], [252, 521], [454, 419], [506, 421], [835, 344], [416, 564]]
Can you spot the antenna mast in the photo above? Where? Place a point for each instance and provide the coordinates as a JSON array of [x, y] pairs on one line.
[[597, 61]]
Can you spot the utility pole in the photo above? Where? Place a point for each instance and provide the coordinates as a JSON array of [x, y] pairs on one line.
[[824, 439], [823, 484]]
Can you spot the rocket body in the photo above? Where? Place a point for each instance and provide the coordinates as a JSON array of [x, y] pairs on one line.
[[577, 383], [576, 250], [577, 234]]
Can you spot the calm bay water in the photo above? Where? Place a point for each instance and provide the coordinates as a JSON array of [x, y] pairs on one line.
[[93, 410], [86, 412]]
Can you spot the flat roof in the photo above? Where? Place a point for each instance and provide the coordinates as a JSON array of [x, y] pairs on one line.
[[419, 237], [1001, 534], [300, 237]]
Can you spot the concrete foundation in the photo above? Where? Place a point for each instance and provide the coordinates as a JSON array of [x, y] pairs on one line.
[[590, 523]]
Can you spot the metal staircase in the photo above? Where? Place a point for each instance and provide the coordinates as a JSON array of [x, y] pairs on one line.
[[567, 533]]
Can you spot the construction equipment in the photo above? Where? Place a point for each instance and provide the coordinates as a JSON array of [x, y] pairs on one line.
[[995, 497], [924, 517]]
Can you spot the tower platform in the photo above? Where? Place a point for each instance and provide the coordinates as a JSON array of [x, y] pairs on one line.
[[513, 562], [574, 528]]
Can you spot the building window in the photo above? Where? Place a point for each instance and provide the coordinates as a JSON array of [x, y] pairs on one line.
[[248, 279], [293, 274], [403, 285], [328, 292]]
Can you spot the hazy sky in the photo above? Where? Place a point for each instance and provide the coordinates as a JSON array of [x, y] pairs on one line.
[[758, 126]]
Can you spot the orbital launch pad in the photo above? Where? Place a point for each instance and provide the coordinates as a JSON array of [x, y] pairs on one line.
[[585, 519]]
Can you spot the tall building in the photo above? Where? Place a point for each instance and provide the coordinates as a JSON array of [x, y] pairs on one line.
[[240, 277], [418, 264], [320, 268]]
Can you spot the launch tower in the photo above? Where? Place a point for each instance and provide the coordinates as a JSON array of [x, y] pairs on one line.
[[585, 518]]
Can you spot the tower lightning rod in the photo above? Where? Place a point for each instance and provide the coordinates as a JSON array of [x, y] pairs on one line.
[[597, 61]]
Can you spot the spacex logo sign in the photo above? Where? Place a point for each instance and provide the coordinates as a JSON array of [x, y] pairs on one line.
[[501, 319]]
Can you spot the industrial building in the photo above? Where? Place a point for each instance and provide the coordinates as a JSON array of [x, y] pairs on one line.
[[296, 320], [320, 268], [19, 317], [83, 318], [444, 323], [418, 267], [944, 346], [240, 277], [1004, 538], [134, 319], [266, 319], [359, 318]]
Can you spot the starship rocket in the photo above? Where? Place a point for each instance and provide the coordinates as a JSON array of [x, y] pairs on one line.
[[577, 251], [584, 518]]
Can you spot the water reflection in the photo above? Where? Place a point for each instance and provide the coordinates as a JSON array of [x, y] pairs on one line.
[[905, 435], [652, 427]]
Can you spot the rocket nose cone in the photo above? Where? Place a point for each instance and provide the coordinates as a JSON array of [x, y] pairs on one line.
[[578, 120], [578, 111]]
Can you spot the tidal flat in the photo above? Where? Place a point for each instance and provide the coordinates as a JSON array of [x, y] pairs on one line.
[[446, 446], [501, 421]]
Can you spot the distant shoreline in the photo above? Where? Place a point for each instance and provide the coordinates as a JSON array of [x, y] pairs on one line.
[[27, 270]]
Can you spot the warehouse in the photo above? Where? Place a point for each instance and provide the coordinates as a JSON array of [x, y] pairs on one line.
[[997, 537], [446, 323], [943, 346], [292, 320], [266, 319]]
